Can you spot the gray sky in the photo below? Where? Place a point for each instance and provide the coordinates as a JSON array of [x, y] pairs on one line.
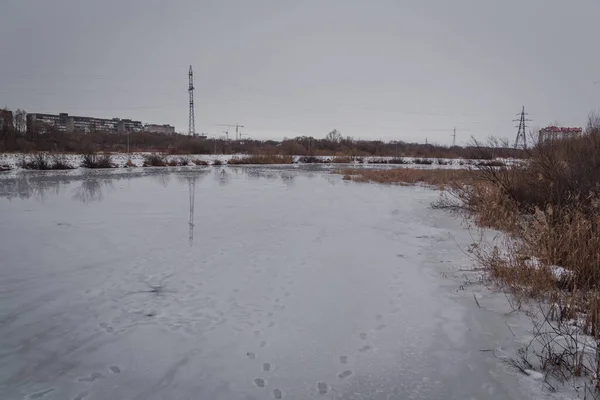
[[381, 69]]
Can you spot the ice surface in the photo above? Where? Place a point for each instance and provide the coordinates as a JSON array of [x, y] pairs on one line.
[[284, 283]]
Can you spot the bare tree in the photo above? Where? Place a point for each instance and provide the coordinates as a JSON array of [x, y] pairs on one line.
[[334, 136], [20, 121]]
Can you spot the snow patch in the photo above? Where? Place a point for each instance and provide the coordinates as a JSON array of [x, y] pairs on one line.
[[534, 374]]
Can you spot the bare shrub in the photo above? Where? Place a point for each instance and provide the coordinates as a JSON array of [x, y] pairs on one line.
[[422, 161], [44, 161], [217, 162], [310, 160], [39, 161], [198, 161], [155, 160], [177, 162], [96, 160], [60, 161]]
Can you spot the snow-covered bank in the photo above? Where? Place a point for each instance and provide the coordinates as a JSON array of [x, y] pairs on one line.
[[243, 283], [12, 160]]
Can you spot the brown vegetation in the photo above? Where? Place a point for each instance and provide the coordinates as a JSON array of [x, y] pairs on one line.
[[549, 208], [408, 176], [261, 159]]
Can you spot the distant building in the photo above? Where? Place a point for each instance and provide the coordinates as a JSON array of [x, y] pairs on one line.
[[65, 123], [127, 125], [166, 129], [552, 133]]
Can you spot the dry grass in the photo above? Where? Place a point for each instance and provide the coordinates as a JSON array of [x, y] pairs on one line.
[[342, 160], [550, 211], [409, 176], [197, 161], [261, 160]]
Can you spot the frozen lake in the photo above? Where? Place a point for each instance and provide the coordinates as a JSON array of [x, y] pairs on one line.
[[284, 283]]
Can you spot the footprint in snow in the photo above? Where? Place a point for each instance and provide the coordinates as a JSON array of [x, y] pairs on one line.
[[380, 327], [114, 369], [345, 374], [362, 335], [277, 394], [260, 382], [322, 387], [81, 396], [41, 394], [344, 359], [266, 367], [251, 355], [365, 348], [92, 377]]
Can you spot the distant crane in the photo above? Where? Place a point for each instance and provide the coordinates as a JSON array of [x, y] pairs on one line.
[[226, 132], [237, 129]]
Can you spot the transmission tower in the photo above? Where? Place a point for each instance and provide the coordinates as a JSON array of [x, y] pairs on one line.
[[522, 134], [192, 122], [454, 138]]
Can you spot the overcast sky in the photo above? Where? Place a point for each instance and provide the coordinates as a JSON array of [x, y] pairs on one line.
[[380, 69]]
